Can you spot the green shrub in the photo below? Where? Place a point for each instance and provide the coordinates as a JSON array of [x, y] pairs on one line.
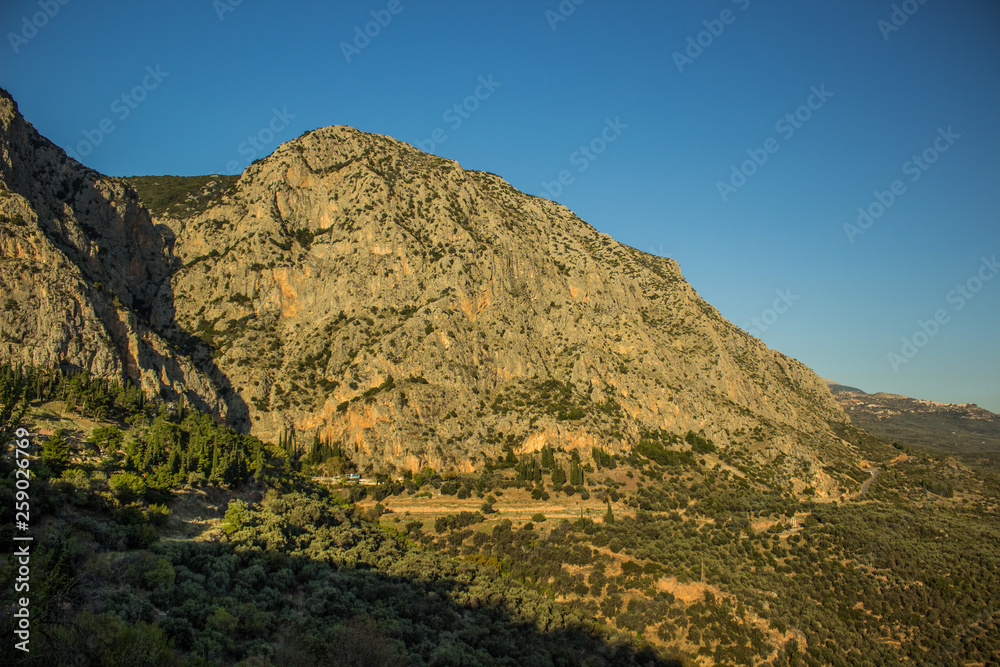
[[127, 487]]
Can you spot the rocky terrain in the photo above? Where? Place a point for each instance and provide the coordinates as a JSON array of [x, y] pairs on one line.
[[353, 288], [84, 272], [563, 451]]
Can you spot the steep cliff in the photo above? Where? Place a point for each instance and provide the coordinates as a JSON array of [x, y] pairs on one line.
[[81, 271]]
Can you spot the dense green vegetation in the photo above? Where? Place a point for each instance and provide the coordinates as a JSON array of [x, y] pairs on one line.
[[903, 575], [181, 196], [296, 578], [295, 575]]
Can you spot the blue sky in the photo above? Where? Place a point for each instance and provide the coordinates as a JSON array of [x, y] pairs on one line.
[[738, 138]]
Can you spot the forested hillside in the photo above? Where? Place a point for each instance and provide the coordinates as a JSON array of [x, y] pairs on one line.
[[717, 562], [289, 576], [163, 537]]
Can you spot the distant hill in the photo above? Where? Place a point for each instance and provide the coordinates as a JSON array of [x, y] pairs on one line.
[[835, 386], [942, 427]]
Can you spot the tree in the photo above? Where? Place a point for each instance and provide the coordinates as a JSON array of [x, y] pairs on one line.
[[127, 486], [55, 452], [609, 516], [106, 439], [12, 402], [558, 476], [548, 458], [107, 640]]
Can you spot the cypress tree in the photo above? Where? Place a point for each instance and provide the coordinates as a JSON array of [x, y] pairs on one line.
[[558, 476], [258, 464], [215, 462], [548, 458]]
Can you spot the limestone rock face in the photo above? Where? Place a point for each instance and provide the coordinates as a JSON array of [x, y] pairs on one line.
[[359, 289], [81, 271], [355, 288]]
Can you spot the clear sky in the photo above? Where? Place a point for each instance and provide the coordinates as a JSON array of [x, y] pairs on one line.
[[738, 137]]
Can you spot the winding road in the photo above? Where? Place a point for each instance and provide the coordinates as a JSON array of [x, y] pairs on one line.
[[864, 487]]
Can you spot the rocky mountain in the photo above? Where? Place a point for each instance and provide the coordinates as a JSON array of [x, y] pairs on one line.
[[353, 288], [942, 427], [85, 273]]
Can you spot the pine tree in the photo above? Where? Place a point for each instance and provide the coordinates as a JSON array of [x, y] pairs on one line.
[[174, 462], [609, 516], [55, 452], [316, 451]]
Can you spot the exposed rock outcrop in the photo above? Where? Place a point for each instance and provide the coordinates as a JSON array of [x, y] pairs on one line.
[[355, 288], [81, 271]]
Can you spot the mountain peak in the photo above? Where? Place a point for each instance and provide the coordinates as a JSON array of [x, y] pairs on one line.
[[355, 289]]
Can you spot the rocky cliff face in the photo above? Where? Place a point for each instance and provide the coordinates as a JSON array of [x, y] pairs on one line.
[[81, 271], [355, 288]]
